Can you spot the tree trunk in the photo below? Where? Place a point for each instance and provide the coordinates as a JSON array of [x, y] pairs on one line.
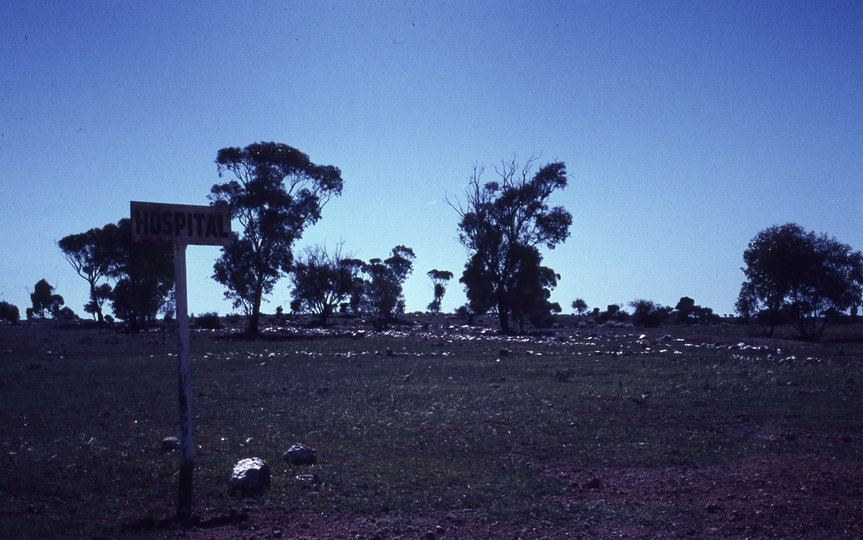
[[503, 317], [253, 329], [255, 317], [99, 318]]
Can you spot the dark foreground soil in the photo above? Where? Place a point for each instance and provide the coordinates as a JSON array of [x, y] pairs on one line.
[[770, 496], [797, 492]]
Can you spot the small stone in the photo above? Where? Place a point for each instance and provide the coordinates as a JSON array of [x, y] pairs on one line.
[[300, 454], [170, 443], [594, 483], [308, 480], [712, 508], [428, 536]]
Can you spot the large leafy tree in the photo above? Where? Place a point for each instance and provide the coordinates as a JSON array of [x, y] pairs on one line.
[[322, 280], [380, 293], [800, 275], [143, 274], [503, 224], [93, 255], [532, 290], [275, 193]]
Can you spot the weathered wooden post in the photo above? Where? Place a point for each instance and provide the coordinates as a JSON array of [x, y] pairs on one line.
[[182, 225], [184, 378]]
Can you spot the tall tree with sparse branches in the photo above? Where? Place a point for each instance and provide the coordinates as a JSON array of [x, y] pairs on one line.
[[503, 223], [275, 193]]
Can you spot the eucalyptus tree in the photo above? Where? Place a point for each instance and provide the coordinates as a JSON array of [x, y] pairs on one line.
[[439, 280], [143, 275], [93, 256], [322, 280], [502, 224], [797, 274], [44, 301], [580, 306], [275, 192], [381, 290]]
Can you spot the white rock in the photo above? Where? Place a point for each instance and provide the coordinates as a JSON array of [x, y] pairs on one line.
[[250, 473]]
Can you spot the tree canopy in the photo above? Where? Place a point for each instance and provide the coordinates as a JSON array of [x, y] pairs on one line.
[[380, 293], [580, 306], [143, 274], [799, 275], [503, 223], [439, 280], [9, 312], [322, 280], [44, 301], [275, 193], [93, 256]]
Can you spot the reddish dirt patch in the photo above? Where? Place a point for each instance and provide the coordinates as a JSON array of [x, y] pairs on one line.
[[769, 496], [783, 496]]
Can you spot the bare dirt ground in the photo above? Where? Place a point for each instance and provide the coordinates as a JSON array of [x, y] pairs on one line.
[[770, 496]]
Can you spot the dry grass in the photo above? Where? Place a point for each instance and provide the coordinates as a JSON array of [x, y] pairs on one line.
[[407, 420]]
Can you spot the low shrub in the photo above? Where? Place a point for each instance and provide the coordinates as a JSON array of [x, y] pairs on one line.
[[9, 312], [208, 321]]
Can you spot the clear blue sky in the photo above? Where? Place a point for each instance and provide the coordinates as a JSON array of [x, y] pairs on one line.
[[686, 127]]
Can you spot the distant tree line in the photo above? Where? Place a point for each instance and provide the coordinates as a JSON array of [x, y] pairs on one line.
[[275, 191], [649, 314]]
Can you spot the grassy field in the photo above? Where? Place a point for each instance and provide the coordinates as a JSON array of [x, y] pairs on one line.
[[423, 418]]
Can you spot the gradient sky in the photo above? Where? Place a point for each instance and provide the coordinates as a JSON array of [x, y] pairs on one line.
[[686, 127]]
